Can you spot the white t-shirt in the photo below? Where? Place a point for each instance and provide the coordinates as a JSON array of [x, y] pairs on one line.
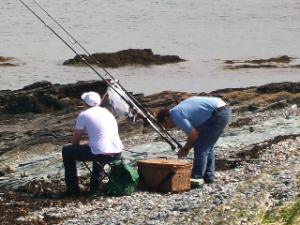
[[102, 129]]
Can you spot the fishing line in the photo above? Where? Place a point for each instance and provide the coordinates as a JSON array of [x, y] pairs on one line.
[[132, 102]]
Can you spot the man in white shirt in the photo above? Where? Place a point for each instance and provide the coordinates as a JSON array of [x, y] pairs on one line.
[[104, 143]]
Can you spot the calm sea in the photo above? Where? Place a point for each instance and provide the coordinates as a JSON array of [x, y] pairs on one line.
[[204, 32]]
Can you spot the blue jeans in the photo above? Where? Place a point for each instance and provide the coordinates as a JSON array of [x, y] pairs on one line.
[[209, 133], [73, 153]]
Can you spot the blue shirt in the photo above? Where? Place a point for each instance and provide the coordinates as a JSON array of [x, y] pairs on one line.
[[194, 111]]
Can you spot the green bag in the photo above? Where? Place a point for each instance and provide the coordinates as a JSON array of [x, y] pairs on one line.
[[123, 179]]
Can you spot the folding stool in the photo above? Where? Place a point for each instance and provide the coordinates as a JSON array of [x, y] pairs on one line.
[[105, 174]]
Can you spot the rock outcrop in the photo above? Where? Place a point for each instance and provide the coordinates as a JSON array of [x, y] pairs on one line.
[[129, 57]]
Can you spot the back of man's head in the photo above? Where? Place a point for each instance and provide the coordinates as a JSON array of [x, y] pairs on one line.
[[162, 114], [91, 98]]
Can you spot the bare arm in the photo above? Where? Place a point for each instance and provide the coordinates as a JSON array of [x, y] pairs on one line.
[[192, 137], [76, 136]]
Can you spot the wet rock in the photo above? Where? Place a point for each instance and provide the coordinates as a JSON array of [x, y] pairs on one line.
[[32, 103], [277, 87], [4, 61], [227, 164], [128, 57], [251, 129], [280, 59], [249, 66], [7, 170], [296, 66], [276, 62], [52, 217], [241, 122], [7, 64], [38, 87], [43, 97], [75, 90]]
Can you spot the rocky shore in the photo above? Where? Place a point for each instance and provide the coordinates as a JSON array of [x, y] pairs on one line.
[[257, 160]]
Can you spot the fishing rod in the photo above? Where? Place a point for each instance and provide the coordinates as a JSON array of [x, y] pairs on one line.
[[142, 110], [133, 102], [136, 102]]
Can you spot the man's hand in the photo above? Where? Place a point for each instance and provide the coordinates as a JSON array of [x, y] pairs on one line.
[[84, 142], [192, 138], [76, 136], [182, 153]]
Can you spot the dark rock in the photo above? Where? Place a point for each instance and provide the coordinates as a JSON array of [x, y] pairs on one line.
[[229, 61], [42, 85], [42, 97], [275, 62], [125, 58], [22, 104], [75, 90], [226, 164], [250, 66], [5, 59], [277, 87], [227, 90], [280, 59], [253, 108], [7, 64], [32, 103], [241, 122]]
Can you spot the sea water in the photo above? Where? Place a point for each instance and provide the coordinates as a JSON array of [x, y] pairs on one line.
[[203, 32]]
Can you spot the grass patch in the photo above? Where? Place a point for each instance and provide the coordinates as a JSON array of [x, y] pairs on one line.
[[287, 215]]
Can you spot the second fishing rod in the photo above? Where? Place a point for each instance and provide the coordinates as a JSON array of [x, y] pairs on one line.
[[131, 103], [132, 98]]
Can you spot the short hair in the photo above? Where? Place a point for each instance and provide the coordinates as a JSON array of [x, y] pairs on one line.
[[162, 114]]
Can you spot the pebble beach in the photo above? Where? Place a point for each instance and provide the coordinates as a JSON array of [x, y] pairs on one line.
[[257, 161]]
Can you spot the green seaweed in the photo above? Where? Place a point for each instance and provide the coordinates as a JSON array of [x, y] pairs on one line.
[[286, 215]]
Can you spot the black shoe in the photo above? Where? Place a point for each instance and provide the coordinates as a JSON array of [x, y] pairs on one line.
[[99, 191], [209, 181], [68, 193], [94, 193]]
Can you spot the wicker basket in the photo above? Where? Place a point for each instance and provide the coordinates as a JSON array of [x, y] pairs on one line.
[[165, 175]]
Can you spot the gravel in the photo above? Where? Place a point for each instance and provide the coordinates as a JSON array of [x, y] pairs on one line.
[[239, 195]]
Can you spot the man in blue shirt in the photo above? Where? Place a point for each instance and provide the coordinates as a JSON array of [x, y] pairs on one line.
[[203, 119]]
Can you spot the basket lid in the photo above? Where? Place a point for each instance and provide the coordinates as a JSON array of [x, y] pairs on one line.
[[172, 162]]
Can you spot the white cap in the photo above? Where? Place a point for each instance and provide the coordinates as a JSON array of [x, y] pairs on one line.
[[91, 98]]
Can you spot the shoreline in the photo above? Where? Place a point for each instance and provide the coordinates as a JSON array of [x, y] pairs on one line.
[[257, 168]]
